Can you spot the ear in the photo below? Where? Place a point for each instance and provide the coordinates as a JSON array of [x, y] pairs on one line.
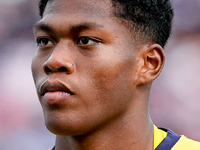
[[152, 60]]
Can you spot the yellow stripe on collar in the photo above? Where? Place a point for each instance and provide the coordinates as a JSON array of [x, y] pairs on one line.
[[159, 136]]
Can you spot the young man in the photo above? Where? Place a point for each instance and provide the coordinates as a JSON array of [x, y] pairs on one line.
[[93, 70]]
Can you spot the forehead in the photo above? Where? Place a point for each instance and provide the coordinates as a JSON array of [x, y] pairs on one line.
[[96, 16], [63, 14], [90, 8], [73, 12]]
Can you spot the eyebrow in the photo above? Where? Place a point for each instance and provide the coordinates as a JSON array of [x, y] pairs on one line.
[[72, 28], [43, 26]]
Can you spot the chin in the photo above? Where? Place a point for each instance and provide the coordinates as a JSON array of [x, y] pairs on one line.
[[66, 126], [61, 130]]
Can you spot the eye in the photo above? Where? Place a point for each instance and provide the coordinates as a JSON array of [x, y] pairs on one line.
[[87, 41], [44, 42]]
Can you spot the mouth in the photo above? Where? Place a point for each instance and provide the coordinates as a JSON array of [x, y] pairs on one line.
[[54, 92]]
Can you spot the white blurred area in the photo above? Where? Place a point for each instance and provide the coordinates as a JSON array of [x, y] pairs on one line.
[[175, 96]]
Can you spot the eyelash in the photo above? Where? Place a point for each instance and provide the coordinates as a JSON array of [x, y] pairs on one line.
[[81, 41], [88, 40]]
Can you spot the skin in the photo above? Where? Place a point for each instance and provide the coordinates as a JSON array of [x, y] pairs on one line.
[[107, 76]]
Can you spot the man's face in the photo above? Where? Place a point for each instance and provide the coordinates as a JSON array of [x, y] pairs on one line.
[[85, 67]]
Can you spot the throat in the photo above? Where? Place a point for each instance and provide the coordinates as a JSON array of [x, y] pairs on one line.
[[114, 139]]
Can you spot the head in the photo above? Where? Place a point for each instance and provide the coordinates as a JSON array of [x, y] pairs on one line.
[[96, 60]]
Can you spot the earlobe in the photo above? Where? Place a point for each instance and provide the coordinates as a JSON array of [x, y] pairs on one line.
[[153, 61]]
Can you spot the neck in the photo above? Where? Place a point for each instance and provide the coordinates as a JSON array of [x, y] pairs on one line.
[[132, 131]]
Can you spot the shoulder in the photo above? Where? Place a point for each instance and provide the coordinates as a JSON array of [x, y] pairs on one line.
[[186, 144]]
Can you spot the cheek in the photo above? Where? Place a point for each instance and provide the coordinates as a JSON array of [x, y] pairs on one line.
[[110, 83], [116, 74], [109, 93]]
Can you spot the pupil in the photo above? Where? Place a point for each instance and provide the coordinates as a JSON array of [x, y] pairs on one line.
[[85, 40], [44, 41]]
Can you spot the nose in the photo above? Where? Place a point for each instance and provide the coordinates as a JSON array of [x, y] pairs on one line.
[[59, 61]]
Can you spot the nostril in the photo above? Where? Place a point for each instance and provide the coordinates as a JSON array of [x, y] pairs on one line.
[[47, 69], [62, 69]]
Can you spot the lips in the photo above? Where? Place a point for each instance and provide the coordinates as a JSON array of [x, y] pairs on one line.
[[55, 92]]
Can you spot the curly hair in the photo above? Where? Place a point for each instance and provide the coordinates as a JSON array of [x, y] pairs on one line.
[[152, 19]]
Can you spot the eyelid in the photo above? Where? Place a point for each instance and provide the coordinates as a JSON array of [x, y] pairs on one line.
[[94, 39]]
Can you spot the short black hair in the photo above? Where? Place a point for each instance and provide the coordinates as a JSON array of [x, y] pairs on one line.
[[152, 19], [42, 5]]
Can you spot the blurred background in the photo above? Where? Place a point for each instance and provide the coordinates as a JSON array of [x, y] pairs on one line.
[[175, 95]]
